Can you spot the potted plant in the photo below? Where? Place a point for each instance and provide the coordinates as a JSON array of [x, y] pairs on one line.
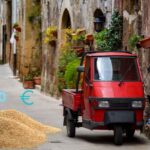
[[37, 78], [78, 38], [28, 82], [51, 35], [17, 27], [133, 42]]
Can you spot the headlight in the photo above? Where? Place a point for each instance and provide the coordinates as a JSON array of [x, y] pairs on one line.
[[137, 104], [103, 104]]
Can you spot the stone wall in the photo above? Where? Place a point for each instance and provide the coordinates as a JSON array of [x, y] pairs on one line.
[[136, 21], [29, 44], [145, 59], [81, 14]]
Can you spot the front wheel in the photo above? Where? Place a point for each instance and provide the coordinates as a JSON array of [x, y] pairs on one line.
[[70, 126], [118, 135]]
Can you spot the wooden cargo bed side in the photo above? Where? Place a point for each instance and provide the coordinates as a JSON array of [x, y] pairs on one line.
[[71, 99]]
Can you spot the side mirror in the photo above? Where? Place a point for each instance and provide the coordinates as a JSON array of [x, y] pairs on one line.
[[80, 69], [148, 69]]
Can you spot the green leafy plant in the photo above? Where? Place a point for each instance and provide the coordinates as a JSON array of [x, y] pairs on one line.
[[71, 73], [35, 12], [67, 56], [36, 73], [50, 34], [101, 39], [133, 41], [15, 25], [111, 39], [28, 77], [75, 36]]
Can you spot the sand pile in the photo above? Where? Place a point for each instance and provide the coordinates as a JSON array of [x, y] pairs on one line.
[[18, 130]]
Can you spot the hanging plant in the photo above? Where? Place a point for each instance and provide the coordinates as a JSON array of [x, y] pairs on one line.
[[50, 35], [17, 27]]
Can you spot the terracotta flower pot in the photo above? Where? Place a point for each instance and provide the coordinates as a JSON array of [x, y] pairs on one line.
[[28, 84], [79, 51], [37, 80], [18, 29], [89, 37], [145, 43]]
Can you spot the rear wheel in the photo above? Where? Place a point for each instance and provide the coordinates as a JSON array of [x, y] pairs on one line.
[[130, 133], [70, 126], [118, 135]]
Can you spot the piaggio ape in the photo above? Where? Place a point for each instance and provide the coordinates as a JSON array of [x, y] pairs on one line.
[[111, 96]]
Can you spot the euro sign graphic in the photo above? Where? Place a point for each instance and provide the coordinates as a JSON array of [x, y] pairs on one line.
[[25, 98], [3, 96]]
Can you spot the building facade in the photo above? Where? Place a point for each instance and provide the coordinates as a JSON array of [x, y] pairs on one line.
[[67, 14], [35, 16]]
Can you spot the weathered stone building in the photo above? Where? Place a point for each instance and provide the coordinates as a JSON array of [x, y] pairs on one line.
[[79, 14], [136, 21], [67, 14], [2, 32], [24, 53]]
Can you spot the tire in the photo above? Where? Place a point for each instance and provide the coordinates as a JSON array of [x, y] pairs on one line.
[[118, 135], [71, 127], [130, 133]]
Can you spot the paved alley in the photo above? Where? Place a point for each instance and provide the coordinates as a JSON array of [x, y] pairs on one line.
[[49, 111]]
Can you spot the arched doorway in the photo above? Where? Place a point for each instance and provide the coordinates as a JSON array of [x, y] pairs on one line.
[[65, 24], [66, 20], [99, 20]]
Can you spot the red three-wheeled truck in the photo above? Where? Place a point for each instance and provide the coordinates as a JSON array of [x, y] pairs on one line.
[[111, 96]]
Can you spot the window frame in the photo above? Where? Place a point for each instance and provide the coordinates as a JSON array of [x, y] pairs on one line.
[[132, 57]]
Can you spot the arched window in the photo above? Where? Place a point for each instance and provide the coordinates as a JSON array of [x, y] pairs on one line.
[[66, 21], [99, 20]]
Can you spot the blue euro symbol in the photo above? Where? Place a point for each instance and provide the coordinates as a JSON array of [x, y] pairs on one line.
[[24, 97], [3, 97]]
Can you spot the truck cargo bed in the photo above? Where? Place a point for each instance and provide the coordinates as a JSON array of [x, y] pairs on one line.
[[71, 99]]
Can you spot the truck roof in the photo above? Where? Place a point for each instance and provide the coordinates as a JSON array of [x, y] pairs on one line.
[[114, 53]]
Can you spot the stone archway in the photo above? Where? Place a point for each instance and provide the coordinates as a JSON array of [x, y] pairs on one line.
[[66, 20], [65, 24], [99, 19]]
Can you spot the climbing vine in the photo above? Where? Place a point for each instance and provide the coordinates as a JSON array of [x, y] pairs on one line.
[[111, 39]]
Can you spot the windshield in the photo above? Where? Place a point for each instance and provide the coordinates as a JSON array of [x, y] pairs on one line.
[[115, 69]]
